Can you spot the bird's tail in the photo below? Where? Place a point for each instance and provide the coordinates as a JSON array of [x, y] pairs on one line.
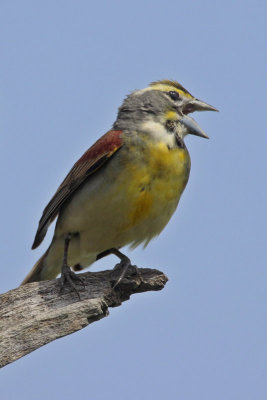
[[38, 272]]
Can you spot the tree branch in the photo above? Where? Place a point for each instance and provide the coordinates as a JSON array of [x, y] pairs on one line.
[[35, 314]]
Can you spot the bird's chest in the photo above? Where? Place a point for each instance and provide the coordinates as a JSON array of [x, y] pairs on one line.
[[156, 178]]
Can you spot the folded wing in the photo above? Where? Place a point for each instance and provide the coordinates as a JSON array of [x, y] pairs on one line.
[[93, 159]]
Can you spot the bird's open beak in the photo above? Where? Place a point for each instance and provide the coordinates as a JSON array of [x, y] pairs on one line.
[[192, 127], [197, 105]]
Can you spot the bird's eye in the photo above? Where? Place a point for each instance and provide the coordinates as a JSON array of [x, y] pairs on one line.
[[174, 95]]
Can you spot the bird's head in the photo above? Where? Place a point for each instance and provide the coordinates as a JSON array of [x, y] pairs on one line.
[[180, 96], [165, 103]]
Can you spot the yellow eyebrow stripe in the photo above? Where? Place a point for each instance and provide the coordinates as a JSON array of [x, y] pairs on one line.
[[167, 88]]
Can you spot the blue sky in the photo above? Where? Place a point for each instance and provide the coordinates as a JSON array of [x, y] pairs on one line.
[[65, 68]]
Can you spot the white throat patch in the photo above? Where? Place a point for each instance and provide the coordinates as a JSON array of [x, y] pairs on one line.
[[158, 132]]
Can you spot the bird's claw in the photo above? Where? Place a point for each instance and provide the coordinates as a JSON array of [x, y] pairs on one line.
[[67, 275], [123, 266]]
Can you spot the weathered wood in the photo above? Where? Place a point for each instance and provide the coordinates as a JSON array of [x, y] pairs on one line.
[[36, 314]]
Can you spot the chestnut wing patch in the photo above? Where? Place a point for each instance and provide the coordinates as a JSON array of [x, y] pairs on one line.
[[88, 164]]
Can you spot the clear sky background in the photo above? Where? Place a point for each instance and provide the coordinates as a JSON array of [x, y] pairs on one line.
[[65, 69]]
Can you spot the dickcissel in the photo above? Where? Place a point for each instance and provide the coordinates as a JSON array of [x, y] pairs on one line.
[[125, 188]]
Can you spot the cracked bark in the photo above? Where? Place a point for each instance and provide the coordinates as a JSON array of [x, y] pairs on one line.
[[36, 314]]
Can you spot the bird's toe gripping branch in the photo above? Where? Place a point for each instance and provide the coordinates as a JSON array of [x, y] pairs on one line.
[[67, 275], [122, 266]]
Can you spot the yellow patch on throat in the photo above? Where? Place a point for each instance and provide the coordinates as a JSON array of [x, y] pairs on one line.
[[170, 116]]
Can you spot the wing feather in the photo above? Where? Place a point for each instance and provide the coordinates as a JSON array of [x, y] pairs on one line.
[[93, 159]]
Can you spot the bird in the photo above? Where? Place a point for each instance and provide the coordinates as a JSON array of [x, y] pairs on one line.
[[125, 187]]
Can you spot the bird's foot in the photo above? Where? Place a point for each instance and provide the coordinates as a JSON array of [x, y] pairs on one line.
[[122, 267], [67, 275]]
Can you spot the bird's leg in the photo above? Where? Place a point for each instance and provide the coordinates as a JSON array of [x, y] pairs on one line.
[[67, 275], [123, 265]]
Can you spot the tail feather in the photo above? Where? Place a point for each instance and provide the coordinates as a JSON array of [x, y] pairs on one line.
[[49, 265], [37, 272]]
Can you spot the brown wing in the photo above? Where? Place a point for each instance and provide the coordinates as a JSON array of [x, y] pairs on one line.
[[91, 161]]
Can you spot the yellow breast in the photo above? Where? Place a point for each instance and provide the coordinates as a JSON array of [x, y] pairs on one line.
[[156, 182]]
